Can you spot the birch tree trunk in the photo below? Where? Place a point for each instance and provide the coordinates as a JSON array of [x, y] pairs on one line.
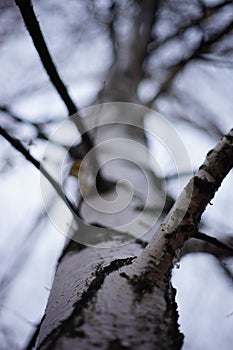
[[121, 297]]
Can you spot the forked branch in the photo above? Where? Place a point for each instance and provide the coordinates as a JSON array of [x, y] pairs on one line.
[[183, 220]]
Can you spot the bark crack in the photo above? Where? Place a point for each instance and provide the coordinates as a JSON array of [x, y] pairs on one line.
[[66, 327]]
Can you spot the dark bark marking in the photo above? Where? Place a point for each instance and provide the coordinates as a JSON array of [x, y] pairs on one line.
[[172, 314], [116, 345], [67, 326]]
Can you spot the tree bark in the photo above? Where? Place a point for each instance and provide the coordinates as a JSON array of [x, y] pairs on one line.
[[121, 297]]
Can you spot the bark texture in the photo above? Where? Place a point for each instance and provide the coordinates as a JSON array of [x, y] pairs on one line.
[[128, 302], [122, 298]]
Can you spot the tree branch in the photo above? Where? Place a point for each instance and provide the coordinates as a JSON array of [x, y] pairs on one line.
[[19, 147], [33, 27], [37, 126], [207, 10], [193, 246], [225, 269], [196, 114], [204, 44], [212, 240], [20, 119], [183, 219]]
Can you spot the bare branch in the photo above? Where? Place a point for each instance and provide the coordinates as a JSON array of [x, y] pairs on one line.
[[32, 24], [193, 246], [175, 176], [184, 217], [212, 240], [37, 126], [20, 119], [215, 37], [225, 269], [196, 113], [219, 61], [20, 147], [202, 47]]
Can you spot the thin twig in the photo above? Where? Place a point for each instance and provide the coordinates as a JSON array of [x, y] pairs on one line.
[[175, 68], [224, 267], [219, 61], [195, 113], [38, 126], [176, 176], [212, 240], [20, 147], [193, 22], [20, 119]]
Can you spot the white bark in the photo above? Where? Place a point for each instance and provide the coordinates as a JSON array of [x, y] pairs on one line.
[[121, 298]]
